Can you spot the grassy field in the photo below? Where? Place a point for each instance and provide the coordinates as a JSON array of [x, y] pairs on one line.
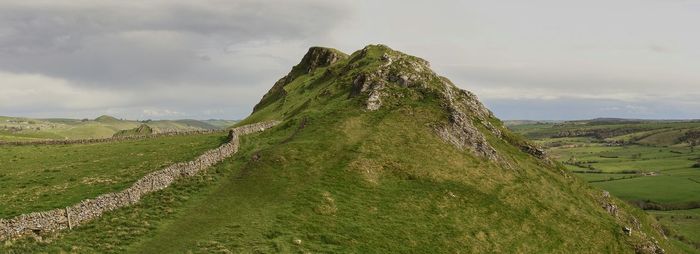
[[37, 178], [649, 163], [671, 176]]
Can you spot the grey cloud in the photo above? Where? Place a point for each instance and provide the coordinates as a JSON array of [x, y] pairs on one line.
[[52, 24], [137, 43]]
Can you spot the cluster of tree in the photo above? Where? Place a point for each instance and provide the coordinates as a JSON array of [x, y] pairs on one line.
[[583, 164]]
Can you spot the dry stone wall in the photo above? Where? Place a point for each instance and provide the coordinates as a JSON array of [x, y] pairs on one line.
[[104, 140], [89, 209]]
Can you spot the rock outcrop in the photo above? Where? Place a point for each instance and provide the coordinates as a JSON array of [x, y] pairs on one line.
[[465, 110], [632, 228]]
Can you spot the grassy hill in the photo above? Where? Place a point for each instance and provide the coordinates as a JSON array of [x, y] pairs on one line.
[[18, 128], [376, 154], [142, 130]]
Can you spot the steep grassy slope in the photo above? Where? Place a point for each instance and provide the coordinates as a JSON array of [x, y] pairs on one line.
[[375, 154]]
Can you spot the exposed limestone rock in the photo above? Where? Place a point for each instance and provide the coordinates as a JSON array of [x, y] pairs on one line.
[[412, 72], [533, 150], [461, 130], [649, 247], [611, 208], [373, 83], [643, 243], [627, 231]]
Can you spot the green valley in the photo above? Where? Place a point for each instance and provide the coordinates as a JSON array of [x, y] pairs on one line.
[[652, 164]]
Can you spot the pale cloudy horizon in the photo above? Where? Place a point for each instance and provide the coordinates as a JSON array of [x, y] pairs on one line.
[[544, 60]]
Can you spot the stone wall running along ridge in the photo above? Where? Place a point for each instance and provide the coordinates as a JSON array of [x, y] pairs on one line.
[[89, 209]]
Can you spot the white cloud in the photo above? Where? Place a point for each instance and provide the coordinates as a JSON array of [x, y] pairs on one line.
[[36, 91]]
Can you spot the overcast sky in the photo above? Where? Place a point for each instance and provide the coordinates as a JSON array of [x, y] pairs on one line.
[[535, 59]]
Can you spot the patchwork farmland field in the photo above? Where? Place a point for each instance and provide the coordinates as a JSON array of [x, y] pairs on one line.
[[652, 164]]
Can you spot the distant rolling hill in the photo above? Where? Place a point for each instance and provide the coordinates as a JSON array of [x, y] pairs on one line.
[[21, 128], [616, 130]]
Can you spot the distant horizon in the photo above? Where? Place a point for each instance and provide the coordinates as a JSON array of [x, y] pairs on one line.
[[239, 119], [613, 118]]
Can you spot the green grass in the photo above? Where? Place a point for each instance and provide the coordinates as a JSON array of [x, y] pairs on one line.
[[661, 189], [36, 178]]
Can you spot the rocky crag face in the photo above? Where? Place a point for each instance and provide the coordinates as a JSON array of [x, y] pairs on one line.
[[379, 91]]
